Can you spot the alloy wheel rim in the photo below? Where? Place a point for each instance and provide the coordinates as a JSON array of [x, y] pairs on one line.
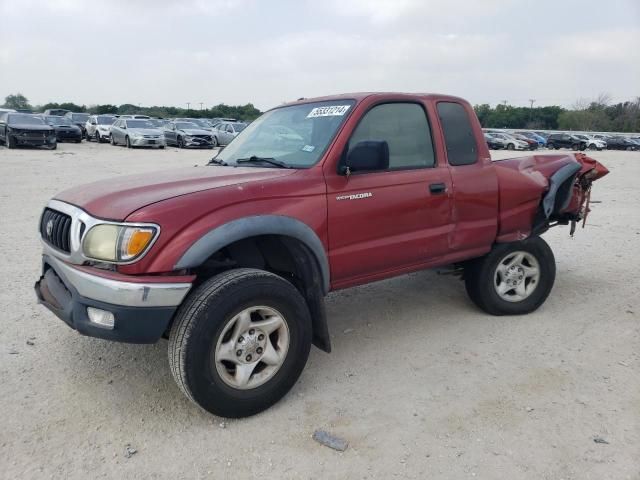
[[252, 347], [517, 276]]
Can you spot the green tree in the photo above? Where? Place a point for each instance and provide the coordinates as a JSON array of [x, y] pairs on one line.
[[16, 101], [102, 109]]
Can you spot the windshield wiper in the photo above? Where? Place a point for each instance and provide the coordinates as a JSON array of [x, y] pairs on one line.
[[215, 161], [269, 160]]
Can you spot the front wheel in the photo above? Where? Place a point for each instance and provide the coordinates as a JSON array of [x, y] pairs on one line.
[[127, 142], [11, 142], [180, 142], [112, 140], [511, 146], [239, 342], [513, 279]]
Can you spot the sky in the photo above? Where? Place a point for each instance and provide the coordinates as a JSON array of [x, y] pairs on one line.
[[161, 52]]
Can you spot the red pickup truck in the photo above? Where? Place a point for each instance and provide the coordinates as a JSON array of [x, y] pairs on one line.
[[232, 260]]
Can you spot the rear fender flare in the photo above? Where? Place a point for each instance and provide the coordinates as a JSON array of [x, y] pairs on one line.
[[254, 226]]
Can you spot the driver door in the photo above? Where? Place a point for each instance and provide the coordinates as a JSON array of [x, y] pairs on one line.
[[384, 221]]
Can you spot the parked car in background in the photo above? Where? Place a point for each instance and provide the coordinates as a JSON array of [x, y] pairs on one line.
[[65, 129], [138, 117], [224, 132], [621, 143], [533, 144], [98, 127], [79, 119], [542, 141], [24, 129], [187, 134], [134, 132], [566, 140], [592, 142], [218, 120], [159, 122], [510, 142], [57, 112], [6, 110], [494, 143]]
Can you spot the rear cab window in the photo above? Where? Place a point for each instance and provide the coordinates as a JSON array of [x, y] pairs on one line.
[[458, 134]]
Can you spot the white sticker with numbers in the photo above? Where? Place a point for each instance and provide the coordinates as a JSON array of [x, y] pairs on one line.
[[332, 111]]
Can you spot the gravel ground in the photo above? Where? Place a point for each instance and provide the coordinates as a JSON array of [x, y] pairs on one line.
[[420, 383]]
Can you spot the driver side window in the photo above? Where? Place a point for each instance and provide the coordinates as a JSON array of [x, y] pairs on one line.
[[405, 128]]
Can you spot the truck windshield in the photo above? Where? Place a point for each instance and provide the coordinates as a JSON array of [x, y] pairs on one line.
[[296, 135]]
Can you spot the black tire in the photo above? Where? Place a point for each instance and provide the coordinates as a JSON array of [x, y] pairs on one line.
[[201, 320], [11, 142], [54, 146], [127, 141], [480, 275], [511, 146], [98, 137], [161, 147], [582, 147], [112, 140], [214, 142], [550, 146], [180, 142]]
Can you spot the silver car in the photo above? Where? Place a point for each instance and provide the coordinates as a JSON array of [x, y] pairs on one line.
[[224, 132], [187, 134], [136, 133]]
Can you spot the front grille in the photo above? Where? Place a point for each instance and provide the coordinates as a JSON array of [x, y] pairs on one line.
[[55, 229], [203, 137]]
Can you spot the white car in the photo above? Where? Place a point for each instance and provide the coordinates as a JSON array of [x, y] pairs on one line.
[[593, 143], [99, 127], [510, 143]]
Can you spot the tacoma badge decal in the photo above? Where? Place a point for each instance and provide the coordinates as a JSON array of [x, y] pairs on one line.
[[355, 196]]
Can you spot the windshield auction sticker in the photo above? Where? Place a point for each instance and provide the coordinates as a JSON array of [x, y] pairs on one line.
[[332, 111]]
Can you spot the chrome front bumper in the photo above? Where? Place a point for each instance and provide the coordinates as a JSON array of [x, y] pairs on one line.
[[123, 293]]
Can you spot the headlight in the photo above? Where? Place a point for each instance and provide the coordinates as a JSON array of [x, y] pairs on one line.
[[136, 135], [117, 243], [103, 129], [188, 137]]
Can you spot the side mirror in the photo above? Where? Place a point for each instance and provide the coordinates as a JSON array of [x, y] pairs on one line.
[[367, 156], [124, 127]]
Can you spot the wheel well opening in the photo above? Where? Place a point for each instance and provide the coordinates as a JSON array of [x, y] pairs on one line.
[[284, 256]]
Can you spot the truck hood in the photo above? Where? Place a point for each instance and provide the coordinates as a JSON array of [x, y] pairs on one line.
[[117, 198]]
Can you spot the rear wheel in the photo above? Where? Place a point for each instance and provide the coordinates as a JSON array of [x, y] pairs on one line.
[[513, 279], [239, 342]]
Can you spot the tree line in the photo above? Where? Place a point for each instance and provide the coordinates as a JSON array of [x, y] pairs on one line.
[[599, 114], [241, 112]]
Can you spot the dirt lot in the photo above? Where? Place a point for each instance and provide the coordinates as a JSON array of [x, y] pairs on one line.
[[421, 383]]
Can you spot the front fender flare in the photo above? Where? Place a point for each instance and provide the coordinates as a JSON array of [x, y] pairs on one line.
[[253, 226]]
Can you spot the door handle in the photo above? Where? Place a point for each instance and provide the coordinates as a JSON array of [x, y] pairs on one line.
[[437, 188]]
